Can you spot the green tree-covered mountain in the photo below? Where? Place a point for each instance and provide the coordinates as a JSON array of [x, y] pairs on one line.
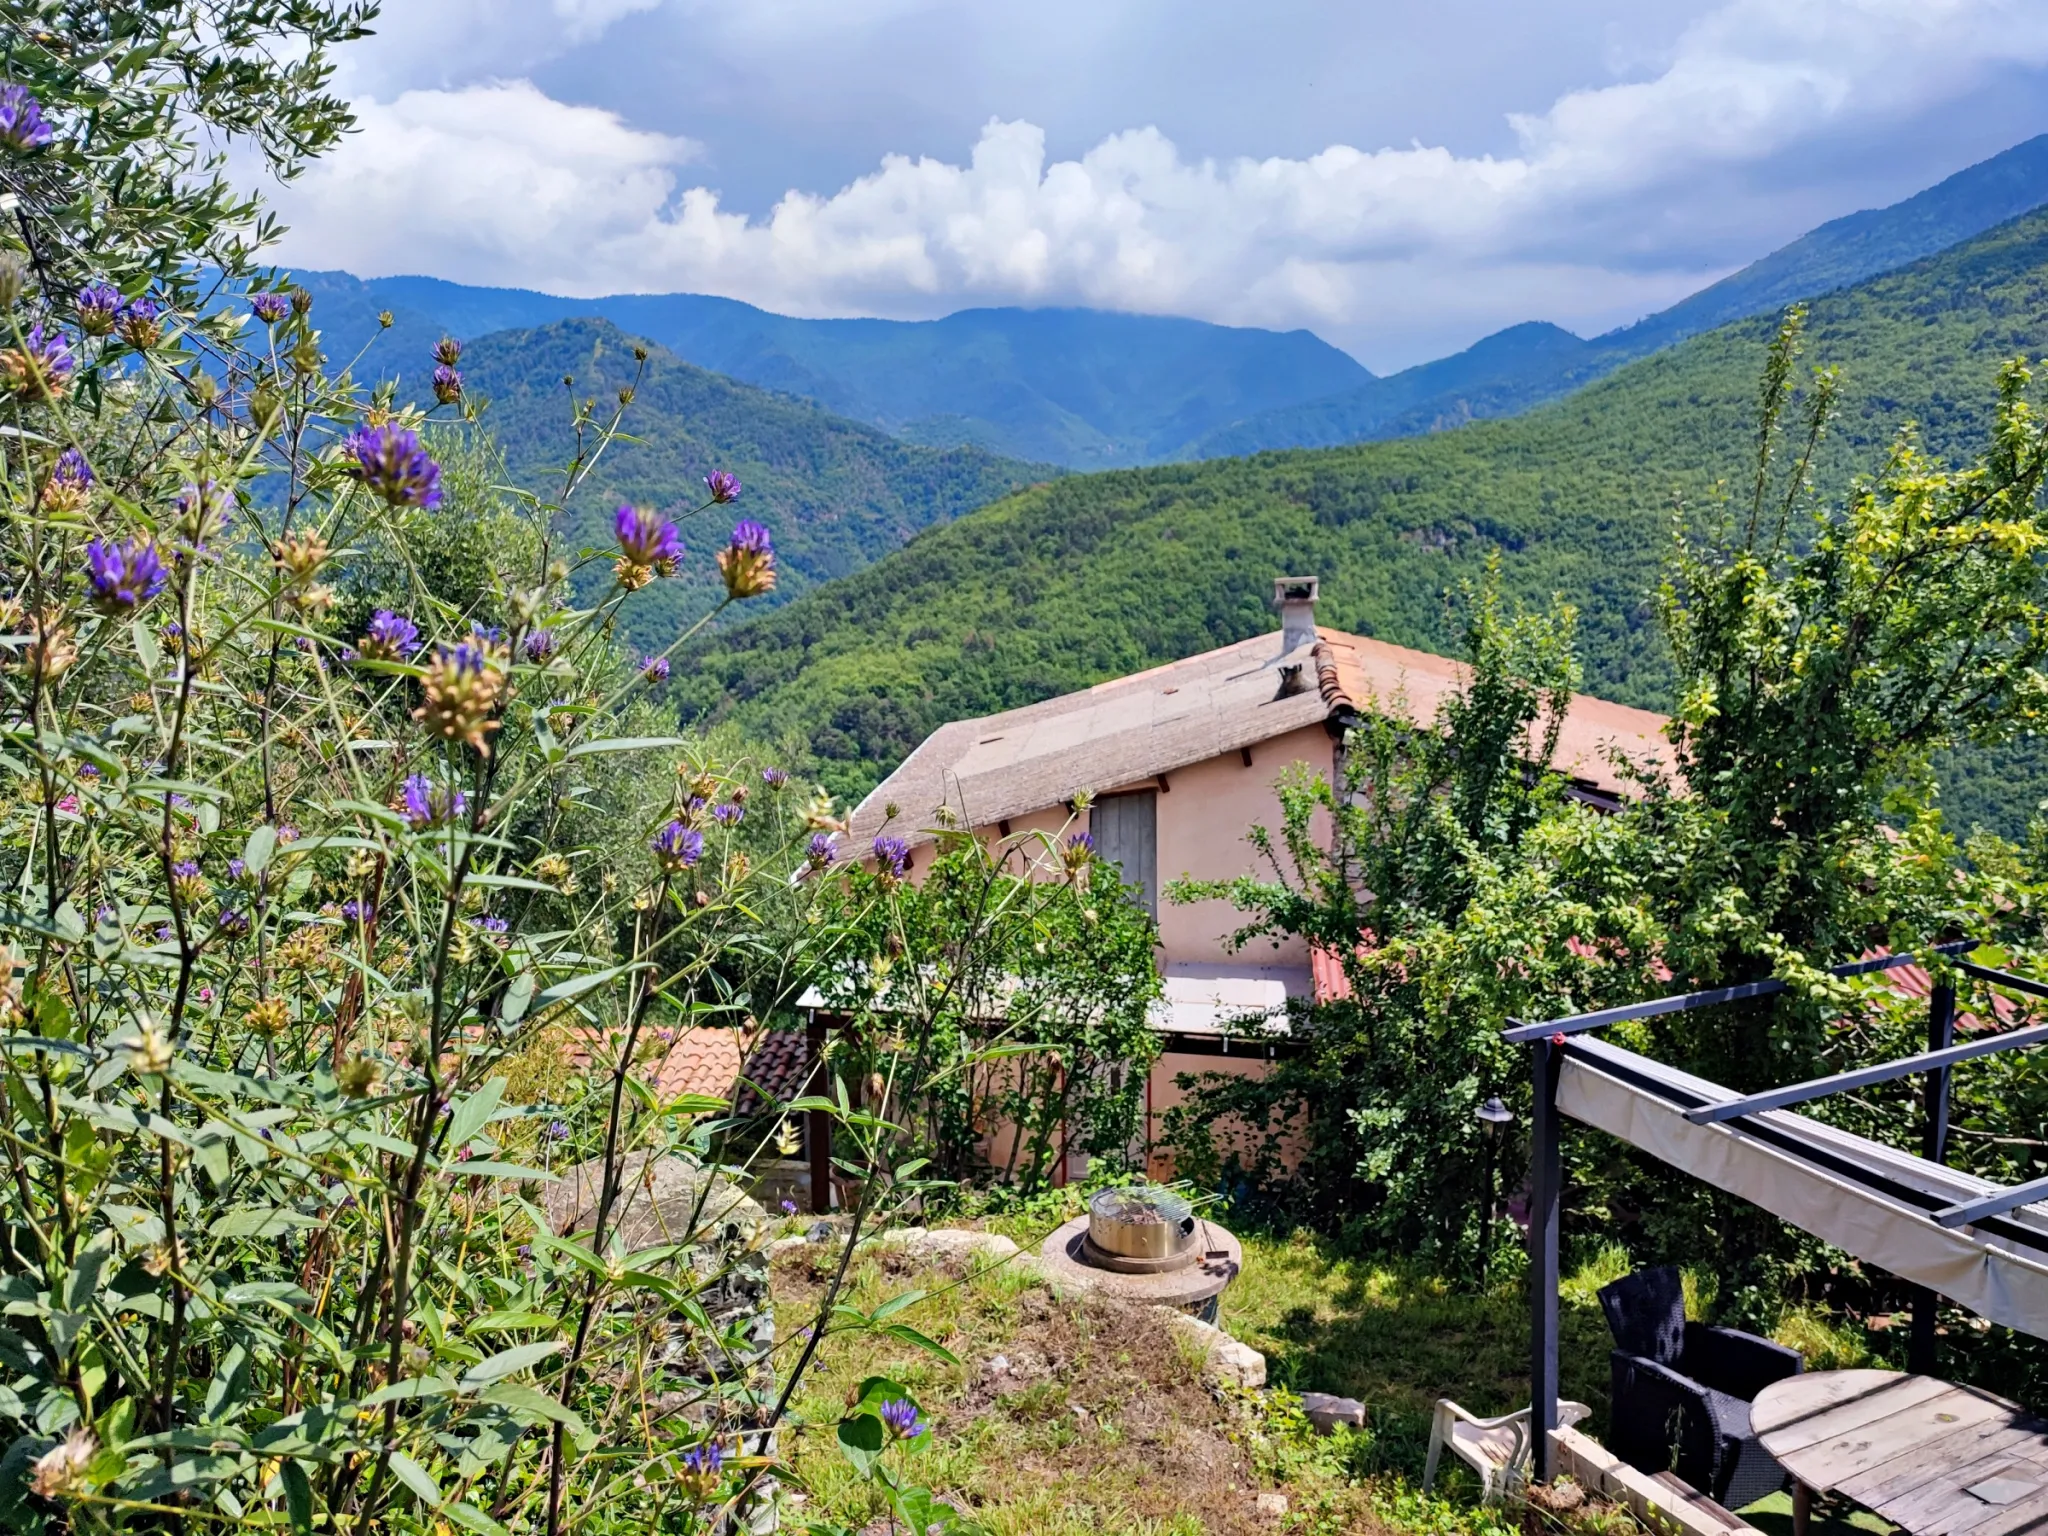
[[835, 493], [1089, 577], [1512, 370], [1082, 388]]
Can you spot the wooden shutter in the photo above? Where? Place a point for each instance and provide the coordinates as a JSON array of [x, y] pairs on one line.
[[1126, 830]]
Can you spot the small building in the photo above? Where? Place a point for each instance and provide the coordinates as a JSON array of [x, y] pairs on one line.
[[1179, 762]]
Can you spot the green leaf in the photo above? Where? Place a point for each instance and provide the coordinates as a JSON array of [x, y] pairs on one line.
[[473, 1113], [298, 1495], [624, 744], [518, 997], [510, 883], [911, 1336], [504, 1321], [861, 1441], [415, 1477], [897, 1304], [471, 1518], [257, 850], [261, 1221], [521, 1398], [518, 1358]]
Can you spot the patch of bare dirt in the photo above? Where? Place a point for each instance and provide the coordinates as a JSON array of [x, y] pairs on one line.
[[1088, 1396]]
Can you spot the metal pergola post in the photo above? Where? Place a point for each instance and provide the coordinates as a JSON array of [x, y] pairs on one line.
[[1546, 1179], [1941, 1036]]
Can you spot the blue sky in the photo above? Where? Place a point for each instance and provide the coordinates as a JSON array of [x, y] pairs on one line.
[[1400, 178]]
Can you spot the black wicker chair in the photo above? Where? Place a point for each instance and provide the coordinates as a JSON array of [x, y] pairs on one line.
[[1688, 1387]]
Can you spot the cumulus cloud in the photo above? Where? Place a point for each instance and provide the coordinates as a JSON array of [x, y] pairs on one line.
[[1388, 250]]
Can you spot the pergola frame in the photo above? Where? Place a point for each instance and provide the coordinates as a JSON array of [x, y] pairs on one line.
[[1550, 1044]]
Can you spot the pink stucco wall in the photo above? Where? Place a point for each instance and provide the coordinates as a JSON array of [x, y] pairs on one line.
[[1204, 816]]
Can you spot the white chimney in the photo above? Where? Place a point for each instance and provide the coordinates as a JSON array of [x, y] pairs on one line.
[[1296, 597]]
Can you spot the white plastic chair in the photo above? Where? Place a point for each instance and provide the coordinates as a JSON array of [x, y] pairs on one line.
[[1497, 1449]]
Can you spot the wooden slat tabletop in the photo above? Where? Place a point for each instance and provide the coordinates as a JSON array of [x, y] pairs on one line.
[[1932, 1458]]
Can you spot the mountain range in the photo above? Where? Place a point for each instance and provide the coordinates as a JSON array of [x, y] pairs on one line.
[[1094, 576], [1088, 389]]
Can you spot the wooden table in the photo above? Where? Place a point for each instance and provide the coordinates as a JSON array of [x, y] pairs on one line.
[[1933, 1459]]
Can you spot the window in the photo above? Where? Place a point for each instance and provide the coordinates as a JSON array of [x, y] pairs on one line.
[[1126, 830]]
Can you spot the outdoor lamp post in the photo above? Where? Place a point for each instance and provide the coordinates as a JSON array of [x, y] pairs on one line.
[[1494, 1119]]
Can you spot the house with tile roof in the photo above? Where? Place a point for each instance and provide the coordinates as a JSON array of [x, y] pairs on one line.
[[1176, 764]]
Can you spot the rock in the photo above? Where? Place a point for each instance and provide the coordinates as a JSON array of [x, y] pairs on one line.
[[783, 1245], [822, 1232], [1272, 1506], [998, 1365], [662, 1199], [1327, 1412], [1224, 1358]]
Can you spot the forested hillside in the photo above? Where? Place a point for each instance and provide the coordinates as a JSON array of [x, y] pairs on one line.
[[835, 494], [1090, 577]]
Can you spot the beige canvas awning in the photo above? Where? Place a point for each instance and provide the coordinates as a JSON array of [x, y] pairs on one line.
[[1867, 1199]]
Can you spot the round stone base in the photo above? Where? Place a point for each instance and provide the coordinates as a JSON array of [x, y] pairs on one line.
[[1219, 1258]]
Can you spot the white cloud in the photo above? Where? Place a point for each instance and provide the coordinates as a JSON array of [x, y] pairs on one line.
[[1386, 250]]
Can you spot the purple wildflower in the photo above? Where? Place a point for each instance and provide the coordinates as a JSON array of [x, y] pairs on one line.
[[427, 804], [707, 1460], [237, 869], [775, 778], [901, 1417], [654, 668], [748, 562], [358, 911], [1081, 842], [728, 815], [892, 856], [486, 634], [723, 485], [40, 367], [390, 637], [558, 1130], [71, 469], [447, 384], [22, 127], [491, 925], [390, 461], [69, 488], [199, 503], [98, 304], [232, 923], [540, 645], [123, 576], [140, 323], [106, 914], [184, 869], [646, 537], [270, 308], [789, 1207], [820, 851], [677, 846]]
